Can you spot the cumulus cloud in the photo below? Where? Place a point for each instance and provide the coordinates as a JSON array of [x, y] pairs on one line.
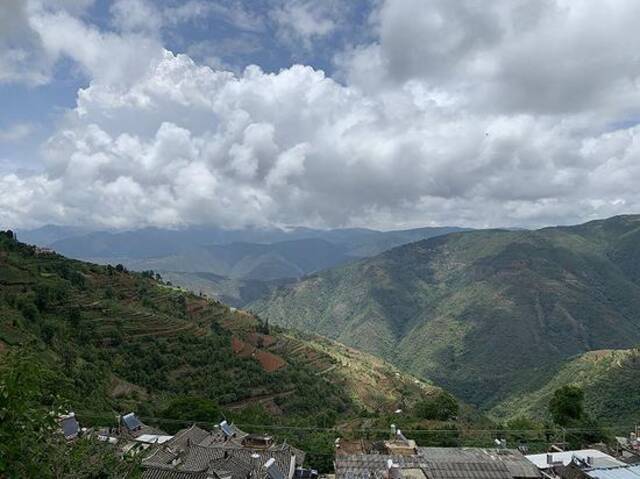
[[453, 114], [554, 56], [306, 21]]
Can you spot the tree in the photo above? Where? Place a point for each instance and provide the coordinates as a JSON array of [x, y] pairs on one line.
[[567, 405], [442, 407], [30, 446], [25, 425]]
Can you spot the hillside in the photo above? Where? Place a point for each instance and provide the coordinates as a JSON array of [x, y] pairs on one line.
[[116, 341], [486, 314], [234, 292], [609, 378]]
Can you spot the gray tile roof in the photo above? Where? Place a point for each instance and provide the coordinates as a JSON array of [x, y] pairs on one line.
[[188, 436], [157, 473], [517, 467], [198, 458], [162, 456], [199, 451], [467, 470], [441, 463]]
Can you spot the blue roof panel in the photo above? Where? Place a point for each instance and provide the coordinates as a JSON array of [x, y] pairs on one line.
[[623, 472], [131, 421]]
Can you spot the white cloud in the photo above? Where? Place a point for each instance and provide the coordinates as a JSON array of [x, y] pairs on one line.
[[305, 21], [554, 56], [231, 12], [136, 16], [16, 132], [454, 114]]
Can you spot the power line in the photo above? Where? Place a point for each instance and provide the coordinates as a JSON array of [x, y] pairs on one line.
[[343, 429]]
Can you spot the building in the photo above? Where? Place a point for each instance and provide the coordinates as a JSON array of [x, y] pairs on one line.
[[225, 453], [131, 427], [438, 463], [583, 464], [69, 426], [562, 464]]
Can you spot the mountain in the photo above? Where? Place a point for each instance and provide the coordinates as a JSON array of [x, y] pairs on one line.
[[248, 261], [156, 242], [105, 341], [48, 234], [231, 265], [486, 314]]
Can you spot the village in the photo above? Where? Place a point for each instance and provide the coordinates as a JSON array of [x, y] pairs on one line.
[[227, 452]]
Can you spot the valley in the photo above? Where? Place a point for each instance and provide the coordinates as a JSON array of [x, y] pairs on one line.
[[489, 315]]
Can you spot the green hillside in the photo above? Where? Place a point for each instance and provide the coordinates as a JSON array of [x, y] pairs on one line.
[[110, 341], [486, 314], [609, 378]]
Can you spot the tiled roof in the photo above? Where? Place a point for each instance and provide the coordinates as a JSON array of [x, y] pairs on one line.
[[158, 473], [233, 467], [440, 463], [160, 457], [188, 436], [467, 470], [518, 465], [201, 451], [281, 454], [214, 438], [198, 458]]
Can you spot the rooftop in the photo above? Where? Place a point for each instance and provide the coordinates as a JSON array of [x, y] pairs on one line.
[[439, 463], [598, 458]]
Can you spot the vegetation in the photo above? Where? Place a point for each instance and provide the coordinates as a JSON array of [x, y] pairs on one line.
[[441, 406], [567, 410], [567, 405], [104, 341], [489, 315], [31, 397], [609, 379]]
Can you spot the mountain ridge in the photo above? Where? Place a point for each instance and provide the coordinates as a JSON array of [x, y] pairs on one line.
[[482, 313]]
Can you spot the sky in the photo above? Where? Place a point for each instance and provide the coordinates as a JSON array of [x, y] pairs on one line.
[[324, 113]]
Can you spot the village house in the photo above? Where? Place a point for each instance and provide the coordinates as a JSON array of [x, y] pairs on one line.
[[224, 453], [401, 458], [69, 426], [584, 464]]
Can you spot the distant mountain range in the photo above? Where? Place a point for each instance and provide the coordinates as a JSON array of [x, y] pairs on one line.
[[231, 265], [491, 315]]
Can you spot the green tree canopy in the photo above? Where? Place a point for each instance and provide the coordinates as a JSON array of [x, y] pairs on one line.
[[442, 407], [567, 405]]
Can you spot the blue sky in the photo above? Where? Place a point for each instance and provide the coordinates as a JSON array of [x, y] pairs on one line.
[[235, 44], [379, 113]]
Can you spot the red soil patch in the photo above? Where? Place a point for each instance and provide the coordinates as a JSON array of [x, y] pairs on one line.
[[239, 347], [269, 362]]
